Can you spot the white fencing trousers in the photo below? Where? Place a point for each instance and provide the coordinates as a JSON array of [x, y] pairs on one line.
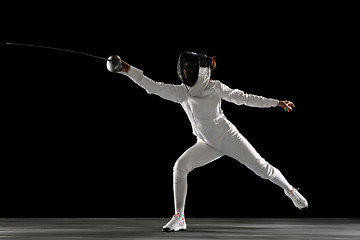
[[196, 156], [233, 145]]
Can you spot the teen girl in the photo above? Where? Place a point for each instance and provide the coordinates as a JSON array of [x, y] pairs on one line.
[[201, 97]]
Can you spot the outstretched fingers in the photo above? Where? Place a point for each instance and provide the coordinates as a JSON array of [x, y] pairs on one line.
[[287, 105]]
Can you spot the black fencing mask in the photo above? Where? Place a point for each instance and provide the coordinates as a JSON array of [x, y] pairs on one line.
[[188, 67]]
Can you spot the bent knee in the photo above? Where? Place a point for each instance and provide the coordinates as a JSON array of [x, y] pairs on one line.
[[181, 169]]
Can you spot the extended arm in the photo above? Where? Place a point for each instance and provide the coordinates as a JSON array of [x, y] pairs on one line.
[[167, 91]]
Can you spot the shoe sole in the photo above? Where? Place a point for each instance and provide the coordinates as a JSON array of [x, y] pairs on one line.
[[305, 208], [301, 208], [173, 230]]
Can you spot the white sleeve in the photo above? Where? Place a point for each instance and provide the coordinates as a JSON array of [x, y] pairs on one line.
[[170, 92], [239, 97]]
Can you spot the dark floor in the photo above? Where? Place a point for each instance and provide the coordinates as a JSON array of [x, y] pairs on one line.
[[198, 228]]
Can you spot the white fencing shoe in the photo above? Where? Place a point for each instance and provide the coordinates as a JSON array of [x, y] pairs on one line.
[[177, 223], [298, 200]]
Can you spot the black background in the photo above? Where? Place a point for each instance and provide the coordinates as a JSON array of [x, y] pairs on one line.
[[79, 141]]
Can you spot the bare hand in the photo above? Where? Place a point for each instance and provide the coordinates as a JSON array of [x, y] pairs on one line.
[[287, 105], [125, 66]]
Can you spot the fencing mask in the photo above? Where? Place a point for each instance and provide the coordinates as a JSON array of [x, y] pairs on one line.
[[189, 64]]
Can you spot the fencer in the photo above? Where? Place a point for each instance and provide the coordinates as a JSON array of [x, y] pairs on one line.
[[201, 97]]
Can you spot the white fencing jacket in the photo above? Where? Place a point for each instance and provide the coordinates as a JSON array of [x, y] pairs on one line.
[[202, 102]]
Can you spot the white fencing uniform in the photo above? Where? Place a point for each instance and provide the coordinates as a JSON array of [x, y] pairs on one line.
[[216, 135]]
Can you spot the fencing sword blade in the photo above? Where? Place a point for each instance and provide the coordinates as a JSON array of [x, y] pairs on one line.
[[57, 49]]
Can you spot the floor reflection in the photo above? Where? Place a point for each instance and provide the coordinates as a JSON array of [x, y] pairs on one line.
[[198, 228]]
